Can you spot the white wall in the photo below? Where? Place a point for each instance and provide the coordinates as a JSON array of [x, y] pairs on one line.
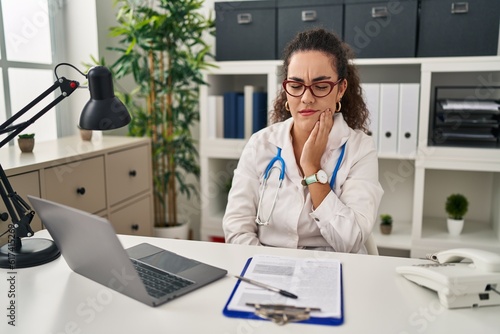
[[80, 41]]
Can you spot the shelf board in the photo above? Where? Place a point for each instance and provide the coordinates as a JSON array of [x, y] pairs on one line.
[[222, 148], [474, 234], [400, 237], [395, 156], [459, 158], [454, 64], [240, 66], [244, 67]]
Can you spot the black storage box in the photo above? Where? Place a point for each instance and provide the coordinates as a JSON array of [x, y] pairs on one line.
[[466, 122], [458, 28], [299, 15], [381, 29], [245, 30]]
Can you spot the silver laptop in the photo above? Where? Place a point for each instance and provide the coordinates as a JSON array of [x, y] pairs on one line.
[[144, 272]]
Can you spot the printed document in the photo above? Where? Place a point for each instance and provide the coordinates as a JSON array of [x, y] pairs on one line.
[[316, 282]]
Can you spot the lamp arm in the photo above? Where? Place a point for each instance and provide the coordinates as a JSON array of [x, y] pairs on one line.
[[67, 87], [20, 212]]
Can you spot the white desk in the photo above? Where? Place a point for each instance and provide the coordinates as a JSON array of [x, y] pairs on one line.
[[52, 299]]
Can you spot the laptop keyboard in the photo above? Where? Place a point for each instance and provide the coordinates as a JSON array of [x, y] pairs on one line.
[[159, 283]]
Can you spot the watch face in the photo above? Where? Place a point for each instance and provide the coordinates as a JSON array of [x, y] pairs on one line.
[[322, 177]]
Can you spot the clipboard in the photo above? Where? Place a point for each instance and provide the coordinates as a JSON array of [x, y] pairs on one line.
[[279, 310]]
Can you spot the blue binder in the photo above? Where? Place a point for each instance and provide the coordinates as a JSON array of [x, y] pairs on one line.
[[311, 320], [231, 101], [259, 111]]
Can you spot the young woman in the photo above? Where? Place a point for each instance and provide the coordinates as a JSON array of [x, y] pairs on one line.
[[321, 188]]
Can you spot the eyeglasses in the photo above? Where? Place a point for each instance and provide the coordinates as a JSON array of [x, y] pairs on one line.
[[318, 89]]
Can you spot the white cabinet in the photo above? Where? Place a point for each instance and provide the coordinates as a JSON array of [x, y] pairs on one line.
[[416, 183], [109, 177]]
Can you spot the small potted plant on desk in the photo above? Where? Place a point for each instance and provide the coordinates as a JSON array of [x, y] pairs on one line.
[[456, 208], [26, 142], [385, 224]]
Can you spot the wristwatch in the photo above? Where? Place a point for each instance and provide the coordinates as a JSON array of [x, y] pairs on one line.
[[320, 176]]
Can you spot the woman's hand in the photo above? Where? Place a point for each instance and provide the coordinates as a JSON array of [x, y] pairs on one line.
[[315, 145]]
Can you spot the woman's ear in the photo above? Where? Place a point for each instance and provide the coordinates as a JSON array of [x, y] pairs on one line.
[[342, 88]]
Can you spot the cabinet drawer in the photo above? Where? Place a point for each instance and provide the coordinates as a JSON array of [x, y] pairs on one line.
[[80, 184], [128, 173], [134, 218]]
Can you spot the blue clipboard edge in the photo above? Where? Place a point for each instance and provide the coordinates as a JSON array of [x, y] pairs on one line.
[[312, 320]]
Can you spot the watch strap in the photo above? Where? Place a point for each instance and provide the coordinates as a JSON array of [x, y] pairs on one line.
[[310, 179]]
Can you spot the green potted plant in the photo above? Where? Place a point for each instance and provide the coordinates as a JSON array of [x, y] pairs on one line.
[[385, 223], [456, 207], [162, 45], [26, 142]]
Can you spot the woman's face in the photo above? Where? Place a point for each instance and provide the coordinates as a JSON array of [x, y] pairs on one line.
[[312, 68]]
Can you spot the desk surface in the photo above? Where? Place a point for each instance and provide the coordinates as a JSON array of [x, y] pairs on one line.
[[53, 299]]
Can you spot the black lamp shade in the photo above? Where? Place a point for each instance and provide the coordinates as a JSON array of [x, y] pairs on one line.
[[104, 111]]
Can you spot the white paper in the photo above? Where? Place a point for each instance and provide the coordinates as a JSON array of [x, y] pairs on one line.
[[470, 105], [317, 283]]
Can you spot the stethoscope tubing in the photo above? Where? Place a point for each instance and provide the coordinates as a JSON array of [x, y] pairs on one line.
[[267, 173]]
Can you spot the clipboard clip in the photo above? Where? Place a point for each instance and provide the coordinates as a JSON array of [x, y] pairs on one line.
[[282, 314]]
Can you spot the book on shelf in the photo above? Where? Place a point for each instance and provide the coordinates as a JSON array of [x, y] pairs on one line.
[[215, 117], [244, 112], [240, 117], [232, 101], [255, 109], [259, 111]]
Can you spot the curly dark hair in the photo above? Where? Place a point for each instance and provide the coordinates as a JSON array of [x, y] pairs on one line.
[[354, 108]]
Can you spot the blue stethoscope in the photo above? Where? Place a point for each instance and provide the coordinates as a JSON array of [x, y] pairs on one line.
[[267, 173]]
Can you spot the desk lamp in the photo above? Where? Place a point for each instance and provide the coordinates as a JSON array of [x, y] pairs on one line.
[[103, 111]]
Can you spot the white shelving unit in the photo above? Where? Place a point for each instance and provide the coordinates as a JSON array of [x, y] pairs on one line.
[[416, 185]]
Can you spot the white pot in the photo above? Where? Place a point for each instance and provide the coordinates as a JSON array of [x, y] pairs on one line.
[[455, 226], [180, 231]]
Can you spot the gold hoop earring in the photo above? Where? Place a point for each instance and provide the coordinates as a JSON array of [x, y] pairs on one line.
[[287, 106], [338, 107]]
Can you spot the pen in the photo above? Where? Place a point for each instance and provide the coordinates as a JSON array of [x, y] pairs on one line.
[[268, 287]]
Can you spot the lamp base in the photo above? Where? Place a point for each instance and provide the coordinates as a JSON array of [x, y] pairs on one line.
[[33, 252]]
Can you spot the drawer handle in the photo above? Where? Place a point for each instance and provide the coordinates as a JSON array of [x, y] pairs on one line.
[[407, 135], [80, 190], [459, 7], [388, 134], [135, 227], [309, 15], [132, 173], [244, 18], [379, 12]]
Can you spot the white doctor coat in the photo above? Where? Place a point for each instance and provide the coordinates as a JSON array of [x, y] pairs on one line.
[[342, 222]]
